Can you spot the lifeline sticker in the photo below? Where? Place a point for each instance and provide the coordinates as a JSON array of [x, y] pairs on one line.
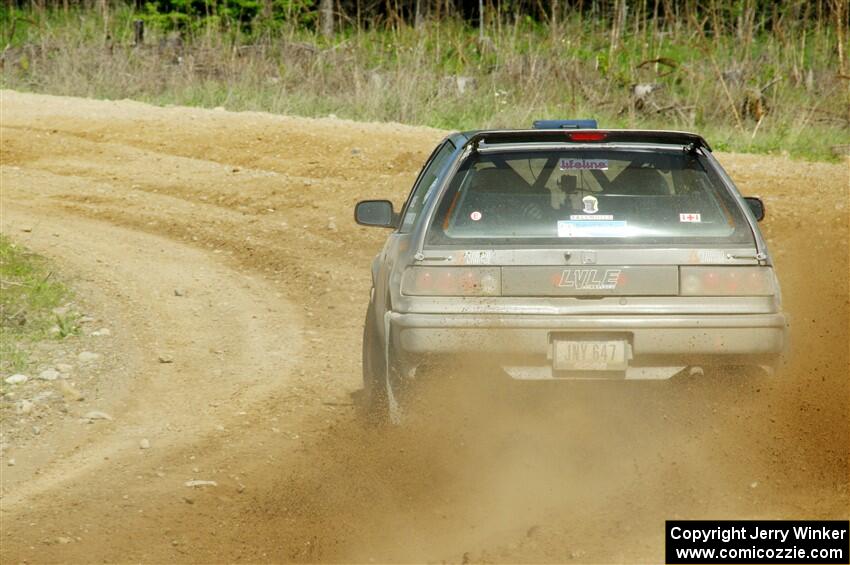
[[591, 204], [695, 218], [475, 216], [583, 164], [592, 229], [477, 257], [579, 217]]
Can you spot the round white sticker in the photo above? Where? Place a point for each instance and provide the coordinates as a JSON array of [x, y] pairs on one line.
[[591, 204], [475, 216]]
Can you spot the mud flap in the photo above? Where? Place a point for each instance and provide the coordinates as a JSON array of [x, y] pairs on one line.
[[393, 409]]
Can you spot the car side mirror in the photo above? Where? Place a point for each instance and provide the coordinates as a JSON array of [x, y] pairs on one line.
[[375, 213], [756, 207]]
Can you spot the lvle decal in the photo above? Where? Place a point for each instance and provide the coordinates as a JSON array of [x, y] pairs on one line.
[[590, 279]]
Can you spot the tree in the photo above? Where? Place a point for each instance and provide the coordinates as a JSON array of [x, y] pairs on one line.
[[326, 17]]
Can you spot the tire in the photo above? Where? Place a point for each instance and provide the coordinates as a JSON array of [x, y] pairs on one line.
[[375, 403], [385, 391]]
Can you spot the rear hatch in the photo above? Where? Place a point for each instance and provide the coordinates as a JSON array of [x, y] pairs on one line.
[[585, 222]]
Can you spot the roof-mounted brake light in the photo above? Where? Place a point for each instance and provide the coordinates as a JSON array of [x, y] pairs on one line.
[[565, 124], [587, 136]]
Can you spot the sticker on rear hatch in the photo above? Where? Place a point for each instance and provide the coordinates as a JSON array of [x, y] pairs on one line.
[[592, 229], [477, 257], [585, 217], [688, 218], [591, 204], [711, 256], [590, 279], [583, 164]]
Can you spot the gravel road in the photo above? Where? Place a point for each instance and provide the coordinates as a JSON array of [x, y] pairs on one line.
[[222, 250]]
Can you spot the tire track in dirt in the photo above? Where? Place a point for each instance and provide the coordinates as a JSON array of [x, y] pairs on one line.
[[226, 341], [515, 476]]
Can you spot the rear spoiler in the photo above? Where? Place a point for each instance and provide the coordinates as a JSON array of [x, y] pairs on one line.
[[691, 141]]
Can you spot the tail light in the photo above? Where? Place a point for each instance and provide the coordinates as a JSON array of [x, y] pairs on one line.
[[727, 281], [451, 281]]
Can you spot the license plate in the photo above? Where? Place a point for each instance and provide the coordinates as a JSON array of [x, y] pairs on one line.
[[585, 355]]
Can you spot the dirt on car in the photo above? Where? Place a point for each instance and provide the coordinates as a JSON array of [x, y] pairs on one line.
[[222, 251]]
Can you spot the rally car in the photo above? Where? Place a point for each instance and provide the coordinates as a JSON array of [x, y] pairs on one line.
[[569, 252]]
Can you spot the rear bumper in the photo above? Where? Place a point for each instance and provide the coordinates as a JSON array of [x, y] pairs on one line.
[[722, 338]]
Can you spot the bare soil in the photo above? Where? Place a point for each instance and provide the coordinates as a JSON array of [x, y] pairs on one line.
[[248, 215]]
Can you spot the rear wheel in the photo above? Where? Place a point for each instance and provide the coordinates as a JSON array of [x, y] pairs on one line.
[[375, 405], [384, 390]]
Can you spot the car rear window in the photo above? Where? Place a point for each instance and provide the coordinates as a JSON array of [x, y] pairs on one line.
[[600, 195]]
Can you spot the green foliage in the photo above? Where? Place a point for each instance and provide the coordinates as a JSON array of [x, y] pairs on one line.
[[67, 325], [28, 295], [245, 15], [268, 56]]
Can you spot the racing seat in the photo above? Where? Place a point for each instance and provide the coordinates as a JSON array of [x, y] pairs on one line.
[[499, 197], [491, 192], [639, 181]]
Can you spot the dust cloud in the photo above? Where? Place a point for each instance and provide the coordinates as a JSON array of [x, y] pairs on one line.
[[489, 470], [486, 470]]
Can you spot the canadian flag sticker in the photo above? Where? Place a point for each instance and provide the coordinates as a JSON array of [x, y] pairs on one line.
[[689, 218]]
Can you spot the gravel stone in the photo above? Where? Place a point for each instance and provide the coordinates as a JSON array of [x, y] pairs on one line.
[[197, 484], [17, 379], [49, 375], [88, 356]]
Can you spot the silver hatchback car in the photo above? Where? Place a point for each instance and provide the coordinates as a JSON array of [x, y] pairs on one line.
[[569, 252]]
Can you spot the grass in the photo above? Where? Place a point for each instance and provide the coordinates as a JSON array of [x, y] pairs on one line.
[[444, 75], [29, 294]]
